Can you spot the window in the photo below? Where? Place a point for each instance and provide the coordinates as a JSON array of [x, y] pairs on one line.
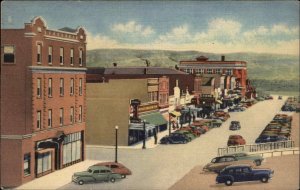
[[97, 171], [38, 119], [199, 71], [72, 86], [44, 162], [61, 116], [80, 113], [72, 148], [152, 96], [218, 71], [246, 170], [49, 118], [27, 164], [50, 87], [238, 170], [228, 71], [39, 53], [61, 57], [209, 71], [9, 54], [61, 87], [72, 56], [72, 115], [38, 88], [80, 57], [80, 87], [50, 55]]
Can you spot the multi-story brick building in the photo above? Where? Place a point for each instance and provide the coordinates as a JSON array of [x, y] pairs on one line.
[[43, 74], [234, 73]]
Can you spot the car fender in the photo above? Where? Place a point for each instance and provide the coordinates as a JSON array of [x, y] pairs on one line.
[[258, 176], [86, 178], [223, 178]]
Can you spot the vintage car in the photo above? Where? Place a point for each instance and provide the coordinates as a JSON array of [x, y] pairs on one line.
[[242, 173], [212, 123], [116, 168], [222, 115], [234, 140], [188, 134], [236, 109], [174, 138], [192, 130], [270, 138], [256, 158], [219, 163], [95, 174], [235, 125]]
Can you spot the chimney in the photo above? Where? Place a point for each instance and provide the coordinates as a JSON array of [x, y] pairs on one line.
[[145, 71], [223, 58], [115, 64]]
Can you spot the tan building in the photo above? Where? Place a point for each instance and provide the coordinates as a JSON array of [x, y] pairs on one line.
[[109, 106]]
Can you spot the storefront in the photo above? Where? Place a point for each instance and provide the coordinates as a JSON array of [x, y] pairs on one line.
[[72, 149], [137, 133]]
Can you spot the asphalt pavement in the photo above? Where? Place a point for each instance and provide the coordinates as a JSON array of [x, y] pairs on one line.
[[164, 165]]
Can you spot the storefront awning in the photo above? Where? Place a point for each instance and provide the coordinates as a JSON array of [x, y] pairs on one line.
[[175, 113], [154, 118]]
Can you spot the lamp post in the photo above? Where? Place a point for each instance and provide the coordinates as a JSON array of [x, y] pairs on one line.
[[116, 148], [169, 124], [144, 139]]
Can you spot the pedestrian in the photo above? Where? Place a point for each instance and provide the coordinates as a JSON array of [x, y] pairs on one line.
[[194, 117], [155, 137]]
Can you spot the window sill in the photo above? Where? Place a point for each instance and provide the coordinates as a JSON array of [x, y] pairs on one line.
[[8, 63], [61, 95], [39, 63], [49, 63], [50, 96], [26, 175]]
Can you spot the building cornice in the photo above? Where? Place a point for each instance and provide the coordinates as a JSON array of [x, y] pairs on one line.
[[47, 37], [16, 137], [45, 69]]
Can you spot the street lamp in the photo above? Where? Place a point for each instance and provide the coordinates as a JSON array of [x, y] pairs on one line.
[[144, 139], [116, 148], [169, 124]]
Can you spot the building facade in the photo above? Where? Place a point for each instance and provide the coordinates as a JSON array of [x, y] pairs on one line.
[[234, 73], [43, 74]]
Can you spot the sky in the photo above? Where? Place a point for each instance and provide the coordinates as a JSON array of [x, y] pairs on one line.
[[206, 26]]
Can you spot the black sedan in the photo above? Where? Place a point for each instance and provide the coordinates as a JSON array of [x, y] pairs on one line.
[[267, 138], [174, 138], [235, 125]]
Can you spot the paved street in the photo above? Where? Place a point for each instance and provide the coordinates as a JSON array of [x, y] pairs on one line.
[[161, 167]]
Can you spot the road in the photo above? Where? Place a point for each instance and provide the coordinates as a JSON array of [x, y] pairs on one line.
[[161, 167]]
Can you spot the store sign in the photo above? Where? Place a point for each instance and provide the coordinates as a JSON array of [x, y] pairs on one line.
[[134, 103], [148, 107]]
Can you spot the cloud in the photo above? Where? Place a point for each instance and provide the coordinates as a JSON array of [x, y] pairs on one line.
[[221, 36], [132, 27]]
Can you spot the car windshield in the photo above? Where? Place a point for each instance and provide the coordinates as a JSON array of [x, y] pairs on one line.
[[213, 160]]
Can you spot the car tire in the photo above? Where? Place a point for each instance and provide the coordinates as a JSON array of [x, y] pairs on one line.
[[228, 182], [112, 180], [264, 179], [123, 176], [257, 162], [80, 182]]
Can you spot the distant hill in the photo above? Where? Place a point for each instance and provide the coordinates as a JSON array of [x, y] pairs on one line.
[[261, 67]]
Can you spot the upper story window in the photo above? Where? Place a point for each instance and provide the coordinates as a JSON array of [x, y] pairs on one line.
[[72, 56], [39, 54], [49, 118], [39, 88], [218, 71], [228, 71], [80, 114], [38, 119], [61, 56], [50, 87], [199, 71], [80, 57], [209, 71], [61, 116], [80, 87], [61, 87], [50, 49], [9, 54], [72, 86], [72, 115]]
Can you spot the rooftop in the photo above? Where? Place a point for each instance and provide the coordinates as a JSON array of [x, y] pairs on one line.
[[134, 71]]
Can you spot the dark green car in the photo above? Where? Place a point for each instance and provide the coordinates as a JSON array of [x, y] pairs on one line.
[[95, 174], [256, 158], [188, 134]]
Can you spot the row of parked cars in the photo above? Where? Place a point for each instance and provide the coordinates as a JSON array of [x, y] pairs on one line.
[[279, 129], [196, 129], [291, 104], [238, 167]]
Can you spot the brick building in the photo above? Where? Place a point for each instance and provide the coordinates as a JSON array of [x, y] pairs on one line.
[[43, 105], [234, 73]]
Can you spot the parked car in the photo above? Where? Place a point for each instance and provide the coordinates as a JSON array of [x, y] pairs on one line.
[[256, 158], [116, 168], [188, 134], [242, 173], [192, 130], [235, 125], [174, 138], [279, 97], [268, 97], [198, 130], [260, 98], [95, 174], [236, 109], [219, 163], [270, 138], [221, 115], [234, 140]]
